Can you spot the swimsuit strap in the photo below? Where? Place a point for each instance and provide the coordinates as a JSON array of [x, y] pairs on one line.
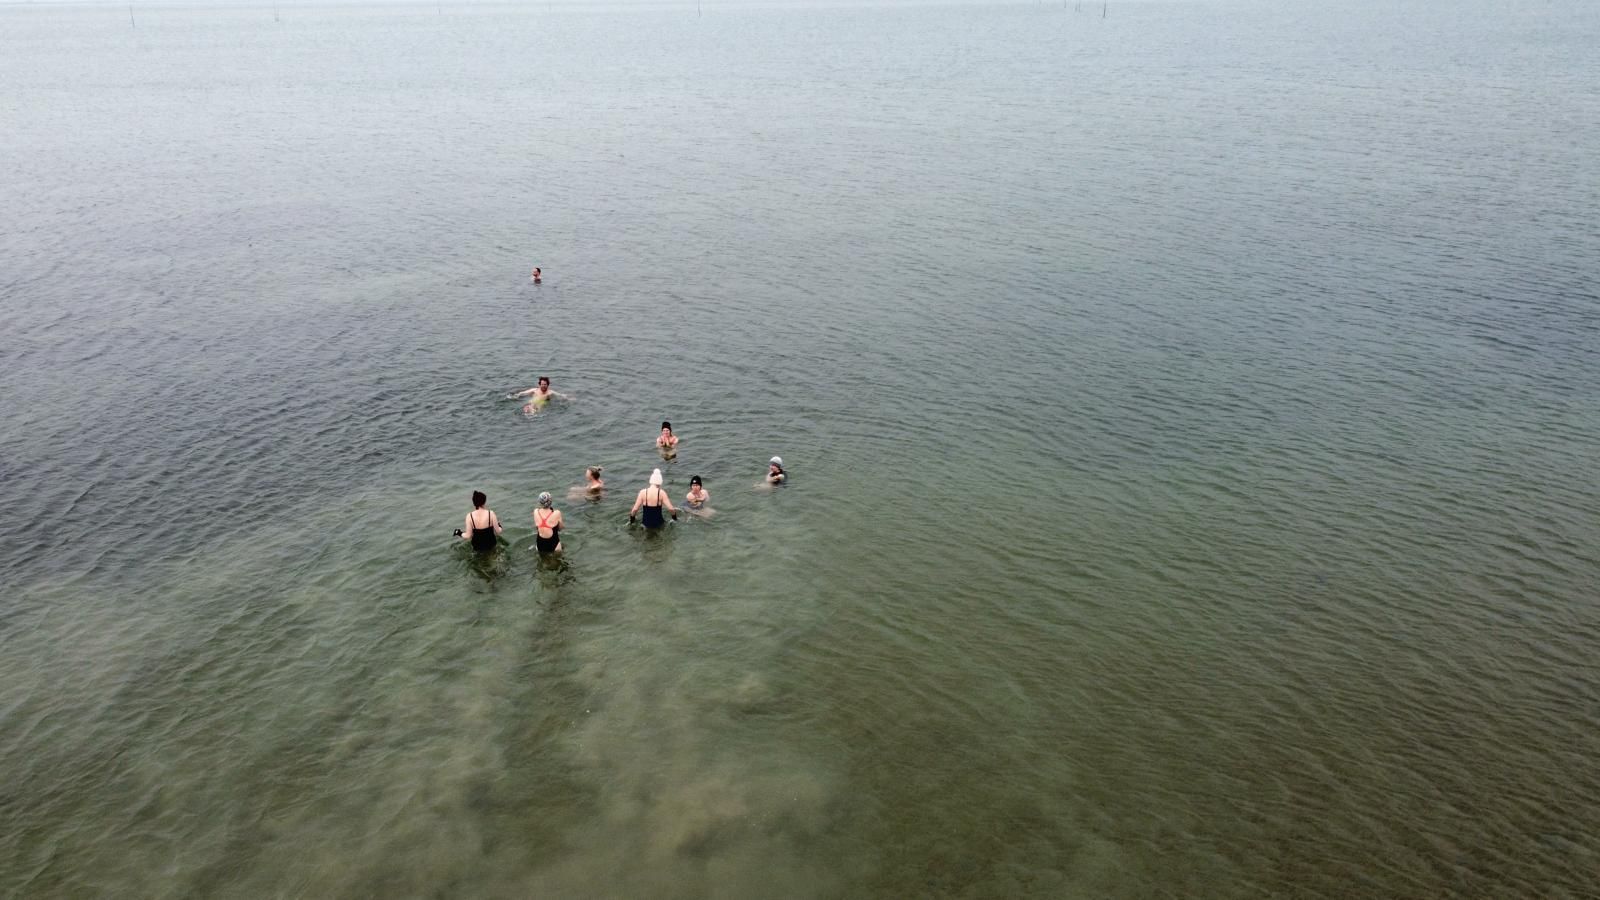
[[548, 513]]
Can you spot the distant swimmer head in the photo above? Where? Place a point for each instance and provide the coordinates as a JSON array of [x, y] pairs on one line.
[[695, 481], [667, 427], [655, 477], [594, 471], [545, 500], [478, 499], [544, 381], [776, 461]]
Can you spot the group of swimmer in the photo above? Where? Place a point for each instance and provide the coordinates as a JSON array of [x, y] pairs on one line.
[[482, 527]]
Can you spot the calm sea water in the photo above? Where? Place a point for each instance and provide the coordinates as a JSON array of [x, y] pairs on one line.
[[1193, 415]]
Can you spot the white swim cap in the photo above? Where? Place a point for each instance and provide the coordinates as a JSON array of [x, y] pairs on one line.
[[775, 461], [655, 477]]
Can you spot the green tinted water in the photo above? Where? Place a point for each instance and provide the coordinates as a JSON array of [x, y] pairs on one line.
[[1187, 414]]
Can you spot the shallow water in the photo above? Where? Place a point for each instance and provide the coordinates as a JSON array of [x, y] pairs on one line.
[[1192, 415]]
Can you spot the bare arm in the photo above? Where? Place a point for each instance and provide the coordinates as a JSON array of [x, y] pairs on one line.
[[466, 530], [637, 502], [667, 502], [495, 521]]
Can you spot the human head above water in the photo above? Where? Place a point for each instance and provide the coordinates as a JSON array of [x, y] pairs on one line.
[[594, 471], [478, 499], [694, 481], [655, 477], [544, 381], [667, 427], [545, 499]]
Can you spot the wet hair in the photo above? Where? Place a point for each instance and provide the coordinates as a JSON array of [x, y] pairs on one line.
[[696, 480], [478, 499], [544, 379], [667, 425], [595, 471]]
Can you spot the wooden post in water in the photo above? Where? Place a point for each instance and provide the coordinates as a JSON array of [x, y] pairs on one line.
[[1103, 8], [131, 22]]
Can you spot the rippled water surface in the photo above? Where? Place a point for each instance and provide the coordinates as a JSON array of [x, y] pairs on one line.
[[1193, 415]]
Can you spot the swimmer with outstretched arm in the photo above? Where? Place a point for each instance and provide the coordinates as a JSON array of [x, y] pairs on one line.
[[538, 395], [652, 500], [775, 472]]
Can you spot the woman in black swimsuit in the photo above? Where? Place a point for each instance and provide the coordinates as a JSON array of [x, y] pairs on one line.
[[482, 525], [652, 500], [547, 521]]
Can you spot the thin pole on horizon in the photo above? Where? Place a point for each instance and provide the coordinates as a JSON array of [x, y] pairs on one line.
[[1103, 6], [275, 11], [130, 16]]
